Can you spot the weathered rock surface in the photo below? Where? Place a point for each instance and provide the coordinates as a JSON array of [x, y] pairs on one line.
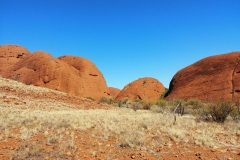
[[143, 89], [92, 81], [73, 75], [211, 79], [114, 91], [9, 56]]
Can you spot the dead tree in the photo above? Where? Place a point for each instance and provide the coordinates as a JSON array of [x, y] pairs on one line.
[[178, 110]]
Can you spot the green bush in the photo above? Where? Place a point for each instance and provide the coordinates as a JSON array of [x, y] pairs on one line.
[[164, 93]]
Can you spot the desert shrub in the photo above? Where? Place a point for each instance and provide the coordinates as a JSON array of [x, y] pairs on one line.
[[159, 106], [90, 98], [192, 106], [217, 112], [111, 101], [201, 114], [136, 106], [125, 101], [147, 104], [235, 114], [194, 103], [156, 109], [162, 103], [106, 100], [103, 100], [120, 103]]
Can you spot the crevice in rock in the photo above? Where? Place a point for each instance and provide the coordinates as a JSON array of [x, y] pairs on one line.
[[45, 82], [20, 55], [139, 97], [93, 75], [234, 70]]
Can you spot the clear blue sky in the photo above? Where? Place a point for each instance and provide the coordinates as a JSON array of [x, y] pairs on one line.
[[126, 39]]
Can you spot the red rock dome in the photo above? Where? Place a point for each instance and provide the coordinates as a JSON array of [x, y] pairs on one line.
[[211, 79], [73, 75], [143, 89], [93, 82]]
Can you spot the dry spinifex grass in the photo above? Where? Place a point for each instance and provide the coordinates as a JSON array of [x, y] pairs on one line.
[[134, 129]]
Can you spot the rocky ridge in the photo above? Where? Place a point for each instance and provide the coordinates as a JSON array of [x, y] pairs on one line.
[[74, 75]]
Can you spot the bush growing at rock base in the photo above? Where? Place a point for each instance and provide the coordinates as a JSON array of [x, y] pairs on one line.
[[106, 100], [164, 93]]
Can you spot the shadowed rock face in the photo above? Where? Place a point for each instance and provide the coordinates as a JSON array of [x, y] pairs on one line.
[[73, 75], [211, 79], [114, 91], [143, 89]]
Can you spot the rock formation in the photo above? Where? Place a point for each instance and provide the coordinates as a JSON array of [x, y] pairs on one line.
[[210, 79], [73, 75], [143, 89], [114, 91], [9, 56], [92, 81]]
